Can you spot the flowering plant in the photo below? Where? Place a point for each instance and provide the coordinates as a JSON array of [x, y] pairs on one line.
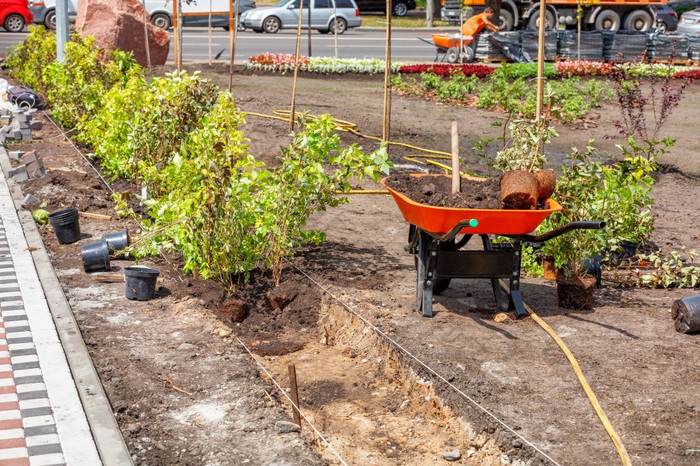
[[446, 70], [691, 75], [582, 68], [326, 65]]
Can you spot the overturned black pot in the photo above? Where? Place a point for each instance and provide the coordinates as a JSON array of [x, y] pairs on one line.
[[117, 240], [95, 257]]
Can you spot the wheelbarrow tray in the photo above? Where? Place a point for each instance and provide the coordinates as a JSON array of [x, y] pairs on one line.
[[446, 41], [440, 220]]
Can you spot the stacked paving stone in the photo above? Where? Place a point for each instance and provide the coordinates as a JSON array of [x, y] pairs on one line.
[[591, 45], [20, 127], [26, 166], [668, 46], [529, 41], [485, 49]]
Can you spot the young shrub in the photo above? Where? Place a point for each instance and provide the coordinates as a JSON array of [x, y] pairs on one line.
[[27, 59]]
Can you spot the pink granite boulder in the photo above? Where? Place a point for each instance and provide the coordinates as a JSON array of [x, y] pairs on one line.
[[120, 24]]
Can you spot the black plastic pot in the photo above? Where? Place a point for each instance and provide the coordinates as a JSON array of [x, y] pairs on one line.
[[117, 241], [95, 256], [140, 282], [66, 225]]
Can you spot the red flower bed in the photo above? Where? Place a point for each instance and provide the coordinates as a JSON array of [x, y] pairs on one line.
[[692, 75], [446, 70], [582, 68]]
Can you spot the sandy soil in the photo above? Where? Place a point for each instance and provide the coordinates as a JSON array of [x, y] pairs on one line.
[[382, 384]]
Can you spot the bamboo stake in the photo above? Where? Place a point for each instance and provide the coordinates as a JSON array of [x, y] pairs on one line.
[[176, 38], [147, 43], [296, 67], [295, 393], [456, 181], [387, 75], [461, 36], [335, 30], [309, 27], [97, 216], [210, 29], [540, 60], [232, 36]]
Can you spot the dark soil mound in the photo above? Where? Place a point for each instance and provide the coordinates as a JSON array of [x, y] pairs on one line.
[[437, 191]]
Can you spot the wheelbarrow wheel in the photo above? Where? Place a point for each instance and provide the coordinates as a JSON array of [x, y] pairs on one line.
[[468, 54], [452, 55]]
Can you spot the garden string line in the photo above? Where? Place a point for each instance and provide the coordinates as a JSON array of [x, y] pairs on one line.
[[283, 392], [106, 184], [421, 363]]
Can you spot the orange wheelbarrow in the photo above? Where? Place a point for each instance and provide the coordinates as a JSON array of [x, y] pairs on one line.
[[448, 44]]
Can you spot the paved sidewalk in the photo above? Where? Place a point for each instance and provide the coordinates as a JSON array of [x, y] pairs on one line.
[[42, 420]]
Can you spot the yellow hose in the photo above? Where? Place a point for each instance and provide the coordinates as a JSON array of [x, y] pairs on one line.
[[624, 457]]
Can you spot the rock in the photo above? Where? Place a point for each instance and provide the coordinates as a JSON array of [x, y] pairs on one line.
[[134, 428], [234, 309], [186, 347], [280, 297], [29, 200], [120, 24], [285, 427], [455, 455]]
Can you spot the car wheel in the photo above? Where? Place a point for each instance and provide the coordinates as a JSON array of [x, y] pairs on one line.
[[506, 23], [534, 21], [607, 19], [638, 20], [661, 27], [271, 25], [14, 23], [161, 20], [339, 26], [50, 19], [241, 27], [399, 8]]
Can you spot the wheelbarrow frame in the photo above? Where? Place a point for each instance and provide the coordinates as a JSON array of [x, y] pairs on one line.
[[439, 259]]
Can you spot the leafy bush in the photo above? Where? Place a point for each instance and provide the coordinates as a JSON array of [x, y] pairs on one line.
[[27, 59], [455, 89], [446, 70], [524, 70], [74, 89], [647, 70]]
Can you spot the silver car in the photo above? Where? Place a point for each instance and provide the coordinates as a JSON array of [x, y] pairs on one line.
[[285, 15], [690, 22]]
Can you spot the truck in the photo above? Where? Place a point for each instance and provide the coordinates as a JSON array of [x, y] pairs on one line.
[[614, 15]]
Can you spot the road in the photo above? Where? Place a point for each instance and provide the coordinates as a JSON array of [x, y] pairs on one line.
[[359, 43]]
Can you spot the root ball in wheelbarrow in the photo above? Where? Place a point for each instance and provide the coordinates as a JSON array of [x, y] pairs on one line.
[[519, 189], [548, 182]]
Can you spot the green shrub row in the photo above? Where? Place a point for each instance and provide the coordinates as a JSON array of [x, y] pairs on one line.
[[179, 137]]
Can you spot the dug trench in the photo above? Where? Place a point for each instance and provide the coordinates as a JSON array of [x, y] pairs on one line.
[[185, 391]]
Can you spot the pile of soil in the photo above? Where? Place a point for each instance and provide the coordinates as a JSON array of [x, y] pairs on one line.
[[437, 191]]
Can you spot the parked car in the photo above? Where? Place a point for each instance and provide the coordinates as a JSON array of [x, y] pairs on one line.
[[14, 15], [398, 7], [666, 18], [44, 11], [161, 13], [690, 22], [285, 15]]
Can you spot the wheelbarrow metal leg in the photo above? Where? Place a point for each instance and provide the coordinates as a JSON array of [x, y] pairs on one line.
[[495, 286], [427, 260], [516, 300]]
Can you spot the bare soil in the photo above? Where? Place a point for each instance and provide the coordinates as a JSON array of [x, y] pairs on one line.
[[380, 383]]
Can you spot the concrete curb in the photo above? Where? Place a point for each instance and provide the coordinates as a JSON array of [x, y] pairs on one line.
[[103, 425]]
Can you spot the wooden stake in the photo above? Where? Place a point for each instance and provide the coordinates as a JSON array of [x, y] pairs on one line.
[[456, 181], [296, 66], [97, 216], [295, 393], [540, 60], [232, 35], [176, 35], [145, 31], [387, 75]]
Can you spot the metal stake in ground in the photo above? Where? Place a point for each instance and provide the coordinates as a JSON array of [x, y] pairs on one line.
[[456, 179], [296, 66], [295, 394]]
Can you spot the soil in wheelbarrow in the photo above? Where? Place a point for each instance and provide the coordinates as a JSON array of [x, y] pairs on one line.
[[437, 191]]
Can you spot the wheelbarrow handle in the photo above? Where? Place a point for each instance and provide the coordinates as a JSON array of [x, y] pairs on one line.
[[561, 230], [450, 235]]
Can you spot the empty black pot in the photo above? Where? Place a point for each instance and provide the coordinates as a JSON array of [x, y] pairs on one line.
[[95, 256], [140, 282], [117, 241], [66, 225]]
